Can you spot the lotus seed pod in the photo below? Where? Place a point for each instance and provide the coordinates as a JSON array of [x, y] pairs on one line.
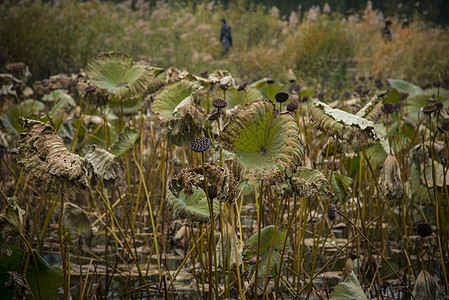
[[200, 144], [439, 105], [423, 229], [429, 109], [242, 86], [332, 211], [281, 96], [291, 107], [219, 103], [388, 108]]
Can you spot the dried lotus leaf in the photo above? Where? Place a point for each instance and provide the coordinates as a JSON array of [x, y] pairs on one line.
[[103, 164], [220, 183], [51, 165], [309, 183]]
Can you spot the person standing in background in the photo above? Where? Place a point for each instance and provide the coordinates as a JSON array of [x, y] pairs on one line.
[[404, 30], [386, 33], [225, 36]]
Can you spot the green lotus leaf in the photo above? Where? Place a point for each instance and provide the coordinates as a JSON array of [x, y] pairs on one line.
[[168, 99], [235, 98], [10, 120], [349, 289], [117, 73], [269, 237], [267, 89], [405, 86], [309, 183], [31, 105], [103, 164], [265, 143], [125, 141], [415, 103], [51, 278], [53, 95], [64, 104], [194, 208]]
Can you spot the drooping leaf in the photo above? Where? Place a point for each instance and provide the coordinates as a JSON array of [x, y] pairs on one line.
[[228, 247], [341, 185], [50, 278], [266, 143], [10, 223], [119, 75], [75, 220], [356, 131], [103, 164], [51, 165], [169, 98], [427, 288], [194, 208], [309, 183], [390, 179], [405, 86], [125, 141], [269, 237], [349, 289]]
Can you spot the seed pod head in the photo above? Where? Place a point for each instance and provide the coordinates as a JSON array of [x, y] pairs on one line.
[[429, 109], [432, 99], [253, 260], [439, 106], [219, 103], [90, 89], [403, 96], [378, 83], [204, 73], [200, 144], [437, 84], [423, 229], [333, 162], [292, 80], [340, 226], [388, 108], [381, 95], [332, 211], [346, 95], [242, 86], [366, 91], [397, 106], [362, 78], [305, 98], [291, 107], [326, 82], [270, 80], [281, 96], [297, 88], [213, 116]]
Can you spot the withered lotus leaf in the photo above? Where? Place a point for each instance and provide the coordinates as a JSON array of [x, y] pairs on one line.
[[51, 165], [309, 183], [103, 164], [120, 76], [266, 143], [355, 130], [390, 179], [220, 183]]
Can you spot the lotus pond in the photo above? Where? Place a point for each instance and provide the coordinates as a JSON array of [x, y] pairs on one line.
[[130, 181]]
